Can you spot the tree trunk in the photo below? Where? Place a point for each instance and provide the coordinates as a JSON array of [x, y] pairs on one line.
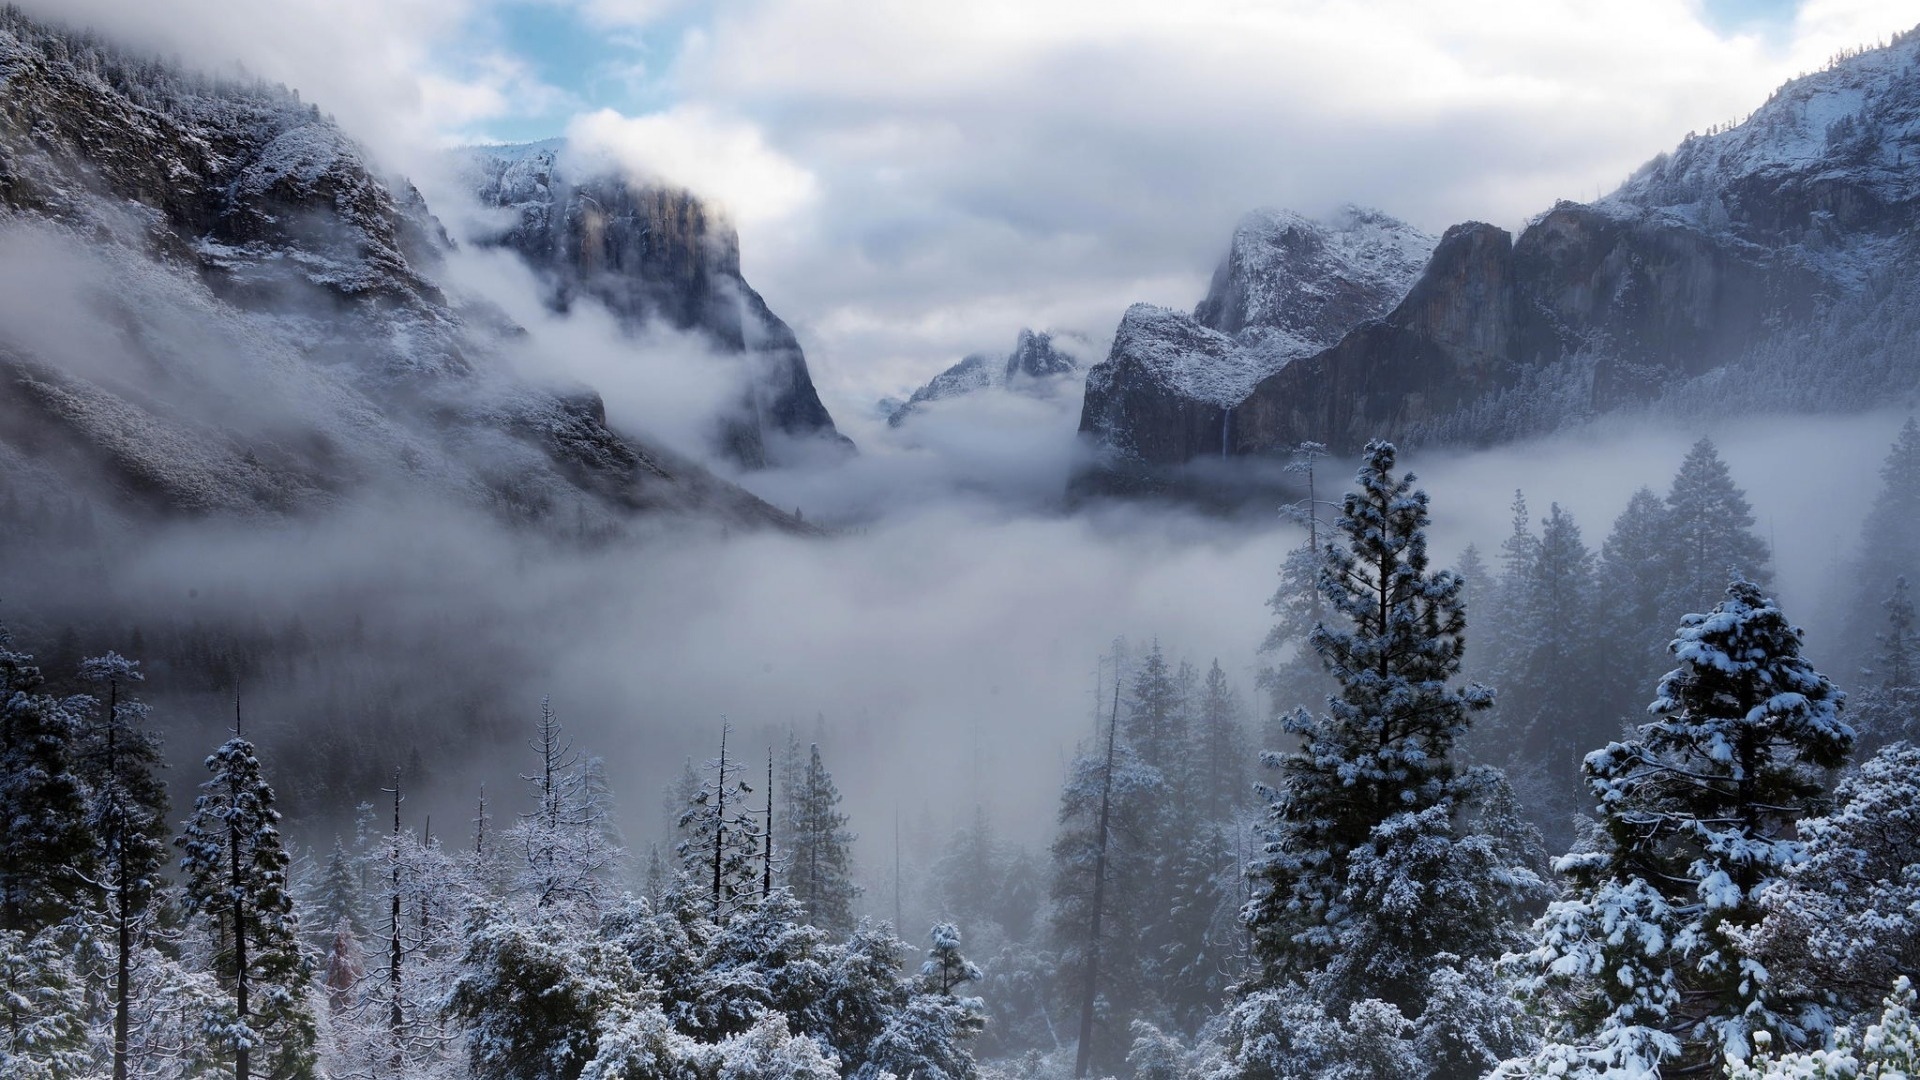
[[1090, 991]]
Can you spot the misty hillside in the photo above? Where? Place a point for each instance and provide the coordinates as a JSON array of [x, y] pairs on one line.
[[457, 642], [252, 319], [1762, 267]]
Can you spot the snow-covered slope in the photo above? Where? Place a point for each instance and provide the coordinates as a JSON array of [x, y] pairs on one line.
[[1038, 366], [1771, 265], [216, 304], [1288, 287]]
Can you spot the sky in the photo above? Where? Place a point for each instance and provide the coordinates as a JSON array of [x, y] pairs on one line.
[[916, 181]]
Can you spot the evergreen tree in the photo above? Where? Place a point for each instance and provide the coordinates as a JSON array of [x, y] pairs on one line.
[[236, 882], [1220, 749], [127, 817], [1708, 534], [1651, 962], [1889, 543], [1102, 889], [337, 901], [46, 847], [1384, 749], [1634, 575], [820, 866], [1156, 724], [564, 837], [1898, 648], [721, 840], [43, 1016]]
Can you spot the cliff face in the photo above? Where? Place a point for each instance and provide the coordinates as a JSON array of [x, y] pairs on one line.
[[224, 308], [651, 253], [1289, 286], [1768, 265]]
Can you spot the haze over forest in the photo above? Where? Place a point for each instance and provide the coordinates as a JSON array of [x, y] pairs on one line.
[[782, 540]]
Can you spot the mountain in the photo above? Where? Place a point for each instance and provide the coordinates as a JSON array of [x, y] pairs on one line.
[[655, 254], [1288, 287], [1767, 266], [217, 304], [1037, 366]]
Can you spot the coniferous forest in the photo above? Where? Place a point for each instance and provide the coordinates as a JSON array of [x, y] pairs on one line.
[[1572, 844]]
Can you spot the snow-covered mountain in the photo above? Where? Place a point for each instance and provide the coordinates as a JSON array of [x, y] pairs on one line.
[[1038, 366], [215, 303], [654, 254], [1288, 287], [1769, 265]]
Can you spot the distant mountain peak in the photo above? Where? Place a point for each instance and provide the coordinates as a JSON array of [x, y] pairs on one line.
[[1039, 363]]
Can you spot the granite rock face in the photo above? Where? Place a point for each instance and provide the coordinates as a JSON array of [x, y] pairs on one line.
[[652, 253], [1288, 287], [1768, 265], [228, 309]]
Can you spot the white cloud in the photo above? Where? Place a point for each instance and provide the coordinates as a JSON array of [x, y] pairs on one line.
[[722, 157]]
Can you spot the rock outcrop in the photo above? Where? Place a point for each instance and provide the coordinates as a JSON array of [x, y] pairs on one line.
[[1288, 287], [1038, 366], [222, 307], [652, 253], [1768, 265]]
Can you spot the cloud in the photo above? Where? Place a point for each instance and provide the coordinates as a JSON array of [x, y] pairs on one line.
[[723, 158], [993, 164]]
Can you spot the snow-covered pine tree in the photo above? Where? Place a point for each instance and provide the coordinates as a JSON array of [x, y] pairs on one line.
[[1845, 922], [127, 814], [1649, 964], [235, 868], [1899, 651], [720, 839], [1384, 748], [1889, 707], [945, 968], [46, 846], [337, 900], [43, 1010], [1708, 534], [819, 869], [566, 851]]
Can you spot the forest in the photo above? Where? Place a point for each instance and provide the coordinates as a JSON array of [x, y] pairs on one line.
[[1629, 829]]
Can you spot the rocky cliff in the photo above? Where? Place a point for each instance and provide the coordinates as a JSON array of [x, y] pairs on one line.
[[654, 253], [1768, 265], [1038, 366], [217, 305], [1288, 287]]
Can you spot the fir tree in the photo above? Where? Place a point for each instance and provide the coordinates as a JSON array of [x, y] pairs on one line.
[[820, 867], [1634, 575], [1709, 534], [236, 882], [721, 838], [1384, 749], [127, 816], [46, 846], [1652, 957], [1889, 543]]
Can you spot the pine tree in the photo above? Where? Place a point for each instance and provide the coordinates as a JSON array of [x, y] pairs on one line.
[[1708, 534], [721, 838], [127, 817], [820, 868], [945, 968], [1898, 648], [1221, 748], [1384, 749], [1634, 575], [564, 837], [236, 882], [46, 846], [1653, 952], [337, 901], [1156, 724], [1889, 543]]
